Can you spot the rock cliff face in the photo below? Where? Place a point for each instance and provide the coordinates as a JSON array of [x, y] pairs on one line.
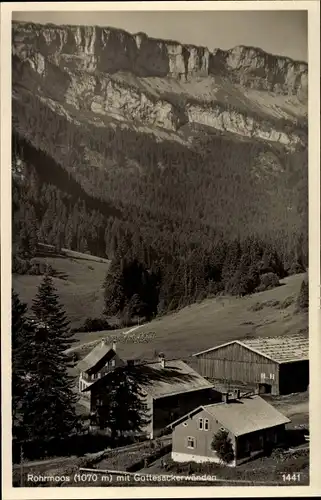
[[77, 66], [92, 48]]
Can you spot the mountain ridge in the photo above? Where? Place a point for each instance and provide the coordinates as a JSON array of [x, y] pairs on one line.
[[99, 48], [108, 74], [166, 40], [183, 157]]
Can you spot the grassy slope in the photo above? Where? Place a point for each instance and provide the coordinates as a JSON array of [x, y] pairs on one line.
[[79, 278], [211, 323]]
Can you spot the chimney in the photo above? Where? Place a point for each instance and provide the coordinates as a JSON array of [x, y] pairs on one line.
[[161, 359], [225, 397], [237, 393], [114, 346]]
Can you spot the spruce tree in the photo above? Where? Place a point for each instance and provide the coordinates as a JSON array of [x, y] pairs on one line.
[[303, 298], [50, 396], [21, 336], [47, 308], [114, 294], [124, 409]]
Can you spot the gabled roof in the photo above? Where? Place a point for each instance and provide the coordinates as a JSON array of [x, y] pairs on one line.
[[241, 416], [281, 349], [175, 378], [98, 353]]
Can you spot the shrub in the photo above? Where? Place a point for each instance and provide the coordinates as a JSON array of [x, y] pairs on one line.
[[268, 281], [93, 325], [222, 445], [296, 268]]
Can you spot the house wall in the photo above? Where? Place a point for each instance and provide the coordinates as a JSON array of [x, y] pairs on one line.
[[294, 377], [202, 451], [235, 363], [169, 409], [257, 443], [87, 378], [105, 365]]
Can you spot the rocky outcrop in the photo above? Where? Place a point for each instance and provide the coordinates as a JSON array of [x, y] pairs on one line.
[[105, 96], [92, 48], [73, 67], [236, 123], [252, 67]]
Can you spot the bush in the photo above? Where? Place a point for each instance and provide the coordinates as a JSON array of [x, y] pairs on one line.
[[93, 325], [268, 281], [222, 445], [296, 268], [19, 265], [287, 302]]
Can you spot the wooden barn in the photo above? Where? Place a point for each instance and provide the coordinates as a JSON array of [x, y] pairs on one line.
[[275, 365]]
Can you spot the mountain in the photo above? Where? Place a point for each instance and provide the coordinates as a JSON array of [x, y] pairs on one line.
[[126, 144]]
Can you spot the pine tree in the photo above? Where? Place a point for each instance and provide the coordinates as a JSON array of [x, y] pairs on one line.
[[50, 397], [303, 298], [114, 294], [47, 308], [124, 409], [21, 335]]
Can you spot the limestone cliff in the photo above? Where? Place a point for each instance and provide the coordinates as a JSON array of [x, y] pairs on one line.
[[93, 48], [77, 67]]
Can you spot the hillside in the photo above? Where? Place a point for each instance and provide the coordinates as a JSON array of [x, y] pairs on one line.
[[172, 155], [78, 279], [210, 323]]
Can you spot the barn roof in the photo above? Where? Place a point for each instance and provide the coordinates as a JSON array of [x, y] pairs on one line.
[[176, 377], [241, 416], [281, 349], [98, 352]]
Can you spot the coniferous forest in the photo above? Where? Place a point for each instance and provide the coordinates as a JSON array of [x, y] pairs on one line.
[[178, 223]]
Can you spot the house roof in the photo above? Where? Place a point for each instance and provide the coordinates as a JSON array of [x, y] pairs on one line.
[[281, 349], [242, 416], [175, 378], [98, 352]]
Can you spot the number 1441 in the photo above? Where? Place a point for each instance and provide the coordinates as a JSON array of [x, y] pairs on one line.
[[295, 477]]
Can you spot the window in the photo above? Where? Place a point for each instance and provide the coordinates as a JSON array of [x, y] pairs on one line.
[[272, 376], [185, 424], [113, 362], [262, 376], [206, 424], [200, 424], [191, 442]]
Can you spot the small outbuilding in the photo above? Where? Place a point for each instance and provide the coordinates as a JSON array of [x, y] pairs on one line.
[[274, 365], [250, 425]]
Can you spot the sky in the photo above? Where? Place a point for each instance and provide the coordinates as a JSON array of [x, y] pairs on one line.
[[276, 32]]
